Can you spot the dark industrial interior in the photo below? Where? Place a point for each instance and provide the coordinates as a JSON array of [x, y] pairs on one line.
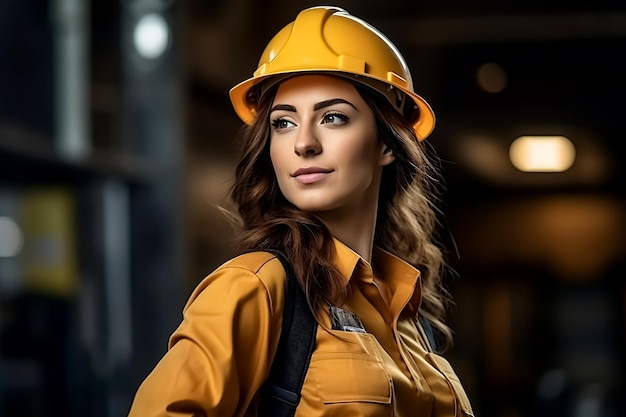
[[115, 161]]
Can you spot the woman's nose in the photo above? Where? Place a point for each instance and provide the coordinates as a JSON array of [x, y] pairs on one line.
[[306, 143]]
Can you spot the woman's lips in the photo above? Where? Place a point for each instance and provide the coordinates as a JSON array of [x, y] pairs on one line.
[[310, 178], [310, 175]]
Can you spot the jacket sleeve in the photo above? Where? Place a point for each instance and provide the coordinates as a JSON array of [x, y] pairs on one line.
[[222, 351]]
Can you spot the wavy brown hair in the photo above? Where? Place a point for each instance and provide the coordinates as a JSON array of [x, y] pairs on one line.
[[406, 223]]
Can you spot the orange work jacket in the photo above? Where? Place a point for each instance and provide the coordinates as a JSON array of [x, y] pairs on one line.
[[222, 350]]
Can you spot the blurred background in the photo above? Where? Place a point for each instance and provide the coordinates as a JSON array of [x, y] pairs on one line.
[[117, 144]]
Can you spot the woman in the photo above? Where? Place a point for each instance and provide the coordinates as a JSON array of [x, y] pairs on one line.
[[334, 174]]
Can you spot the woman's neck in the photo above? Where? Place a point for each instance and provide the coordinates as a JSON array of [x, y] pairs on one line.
[[354, 227]]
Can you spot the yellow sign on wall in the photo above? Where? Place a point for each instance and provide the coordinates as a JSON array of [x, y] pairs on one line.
[[49, 259]]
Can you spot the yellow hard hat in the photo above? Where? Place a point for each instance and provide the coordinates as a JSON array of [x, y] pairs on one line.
[[329, 39]]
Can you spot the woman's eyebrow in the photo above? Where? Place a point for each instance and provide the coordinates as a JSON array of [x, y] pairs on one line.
[[317, 106], [332, 101], [286, 107]]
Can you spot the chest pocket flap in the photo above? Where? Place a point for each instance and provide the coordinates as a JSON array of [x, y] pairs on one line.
[[350, 377]]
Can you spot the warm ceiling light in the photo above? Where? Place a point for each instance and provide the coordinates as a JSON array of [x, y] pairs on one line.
[[491, 77], [542, 153]]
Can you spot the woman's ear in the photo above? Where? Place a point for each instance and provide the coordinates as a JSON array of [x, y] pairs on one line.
[[386, 156]]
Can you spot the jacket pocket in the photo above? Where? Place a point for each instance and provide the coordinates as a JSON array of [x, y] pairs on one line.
[[445, 368], [350, 377]]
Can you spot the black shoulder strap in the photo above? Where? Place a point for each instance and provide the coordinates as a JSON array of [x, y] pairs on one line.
[[430, 333], [280, 393]]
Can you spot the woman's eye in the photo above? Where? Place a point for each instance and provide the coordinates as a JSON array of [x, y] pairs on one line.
[[335, 118], [281, 124]]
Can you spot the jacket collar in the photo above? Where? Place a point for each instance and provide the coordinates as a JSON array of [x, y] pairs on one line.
[[387, 266]]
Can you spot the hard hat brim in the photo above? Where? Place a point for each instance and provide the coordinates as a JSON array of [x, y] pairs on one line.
[[423, 127]]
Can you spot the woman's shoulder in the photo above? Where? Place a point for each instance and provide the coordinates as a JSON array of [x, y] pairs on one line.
[[246, 291], [257, 262], [244, 273]]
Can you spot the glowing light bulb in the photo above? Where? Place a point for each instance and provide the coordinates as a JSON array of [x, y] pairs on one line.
[[542, 153], [11, 237], [151, 35]]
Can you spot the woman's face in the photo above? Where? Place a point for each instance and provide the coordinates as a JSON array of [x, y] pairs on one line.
[[323, 145]]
